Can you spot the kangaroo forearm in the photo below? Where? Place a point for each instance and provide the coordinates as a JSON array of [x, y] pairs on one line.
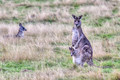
[[78, 42]]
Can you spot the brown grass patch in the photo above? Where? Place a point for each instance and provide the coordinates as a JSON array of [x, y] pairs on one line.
[[102, 56], [115, 75]]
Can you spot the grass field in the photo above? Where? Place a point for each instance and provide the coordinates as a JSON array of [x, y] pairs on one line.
[[43, 53]]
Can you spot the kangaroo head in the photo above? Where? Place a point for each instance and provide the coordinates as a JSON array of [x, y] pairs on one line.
[[72, 51], [77, 20], [21, 27]]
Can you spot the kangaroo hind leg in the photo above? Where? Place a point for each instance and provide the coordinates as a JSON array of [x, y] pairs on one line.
[[90, 62]]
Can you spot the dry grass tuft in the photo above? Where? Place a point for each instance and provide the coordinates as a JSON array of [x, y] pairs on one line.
[[17, 53], [35, 48], [103, 56], [48, 74], [94, 76], [115, 75]]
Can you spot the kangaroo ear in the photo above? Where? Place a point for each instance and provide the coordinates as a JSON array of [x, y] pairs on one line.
[[74, 16], [20, 24], [80, 17], [70, 48]]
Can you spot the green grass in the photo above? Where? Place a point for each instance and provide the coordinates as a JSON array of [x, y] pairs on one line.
[[18, 1], [49, 64], [118, 47], [11, 66], [74, 9], [86, 18], [1, 2], [105, 35], [59, 43], [41, 1], [57, 50], [107, 70], [115, 10], [99, 22], [22, 8], [107, 64], [50, 20]]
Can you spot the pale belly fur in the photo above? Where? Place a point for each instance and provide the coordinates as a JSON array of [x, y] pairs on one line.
[[76, 60]]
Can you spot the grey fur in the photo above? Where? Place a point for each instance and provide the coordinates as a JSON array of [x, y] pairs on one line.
[[21, 31], [74, 36], [80, 56], [82, 49], [78, 42]]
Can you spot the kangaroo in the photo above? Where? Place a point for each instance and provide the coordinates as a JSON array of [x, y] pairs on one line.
[[19, 34], [21, 31], [75, 35], [80, 56], [81, 44]]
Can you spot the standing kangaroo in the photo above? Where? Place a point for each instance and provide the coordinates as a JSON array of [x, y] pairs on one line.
[[81, 49], [21, 31]]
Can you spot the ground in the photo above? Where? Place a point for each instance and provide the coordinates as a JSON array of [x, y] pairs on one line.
[[43, 54]]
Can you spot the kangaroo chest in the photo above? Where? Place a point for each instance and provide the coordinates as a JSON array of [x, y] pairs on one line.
[[20, 34]]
